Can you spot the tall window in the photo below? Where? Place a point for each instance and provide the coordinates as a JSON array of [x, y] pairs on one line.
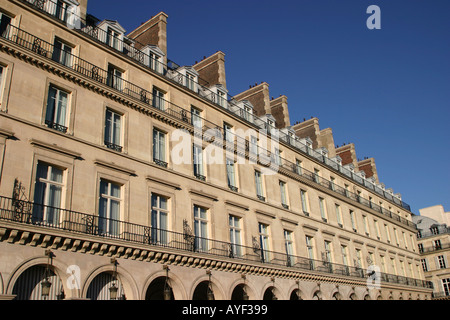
[[253, 145], [317, 175], [441, 262], [231, 175], [310, 250], [437, 245], [277, 156], [396, 237], [304, 200], [344, 256], [298, 167], [264, 241], [113, 130], [383, 264], [154, 63], [327, 253], [4, 24], [109, 208], [323, 212], [190, 81], [228, 132], [115, 77], [61, 10], [57, 109], [289, 246], [2, 81], [62, 53], [221, 98], [201, 228], [358, 263], [112, 38], [159, 147], [158, 99], [47, 194], [198, 162], [196, 117], [159, 216], [338, 215], [259, 186], [388, 234], [377, 228], [283, 194], [235, 235], [446, 286], [352, 219], [393, 266], [366, 225]]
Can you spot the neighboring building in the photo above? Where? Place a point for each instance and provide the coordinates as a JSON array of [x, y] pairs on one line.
[[100, 199], [434, 246]]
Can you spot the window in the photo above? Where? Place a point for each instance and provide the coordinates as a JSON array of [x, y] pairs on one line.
[[323, 212], [114, 79], [113, 130], [154, 63], [347, 192], [277, 156], [5, 25], [388, 234], [259, 186], [441, 262], [109, 208], [235, 235], [231, 175], [200, 228], [396, 237], [264, 242], [190, 81], [248, 113], [3, 70], [437, 245], [358, 262], [332, 183], [352, 219], [112, 38], [61, 10], [221, 98], [198, 163], [289, 246], [434, 230], [383, 264], [57, 109], [253, 145], [377, 229], [304, 201], [158, 99], [393, 266], [316, 175], [298, 167], [159, 148], [62, 53], [446, 286], [366, 226], [405, 242], [338, 215], [283, 194], [327, 255], [228, 132], [420, 245], [196, 117], [159, 216], [344, 257], [310, 250], [48, 194]]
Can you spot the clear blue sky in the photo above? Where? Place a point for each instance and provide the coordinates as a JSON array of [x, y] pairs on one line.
[[387, 91]]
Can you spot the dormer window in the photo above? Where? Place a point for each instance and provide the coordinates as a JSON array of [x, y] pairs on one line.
[[153, 58], [221, 98], [112, 38], [111, 34], [191, 81]]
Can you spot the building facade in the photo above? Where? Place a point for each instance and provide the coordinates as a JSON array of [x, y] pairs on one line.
[[433, 239], [127, 176]]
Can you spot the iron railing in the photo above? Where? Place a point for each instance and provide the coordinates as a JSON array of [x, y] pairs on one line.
[[38, 215], [434, 231], [199, 87]]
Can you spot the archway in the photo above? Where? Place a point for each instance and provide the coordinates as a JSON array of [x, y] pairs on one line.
[[269, 294], [160, 289], [203, 291], [240, 293], [105, 287], [296, 295], [29, 285]]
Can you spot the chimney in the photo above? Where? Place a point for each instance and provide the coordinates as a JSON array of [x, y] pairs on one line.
[[153, 32], [368, 166], [279, 110], [258, 97], [83, 8], [347, 154], [211, 70], [320, 138]]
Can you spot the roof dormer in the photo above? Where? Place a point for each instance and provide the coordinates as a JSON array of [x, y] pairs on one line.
[[154, 57], [111, 33]]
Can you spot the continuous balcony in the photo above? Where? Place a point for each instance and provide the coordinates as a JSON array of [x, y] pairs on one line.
[[71, 222], [169, 71]]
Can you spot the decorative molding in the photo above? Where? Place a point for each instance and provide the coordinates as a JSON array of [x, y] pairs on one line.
[[56, 148], [112, 165]]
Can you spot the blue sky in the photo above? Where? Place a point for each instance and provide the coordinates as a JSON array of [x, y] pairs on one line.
[[387, 91]]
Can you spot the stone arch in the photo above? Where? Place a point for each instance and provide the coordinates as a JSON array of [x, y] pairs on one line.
[[176, 285], [238, 287], [295, 292], [57, 267], [271, 292], [197, 292], [125, 279]]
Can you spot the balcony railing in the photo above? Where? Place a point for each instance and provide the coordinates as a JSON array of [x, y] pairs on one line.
[[434, 231], [199, 87], [29, 213], [46, 49]]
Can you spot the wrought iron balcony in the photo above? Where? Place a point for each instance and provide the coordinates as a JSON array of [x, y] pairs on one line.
[[41, 216], [113, 146]]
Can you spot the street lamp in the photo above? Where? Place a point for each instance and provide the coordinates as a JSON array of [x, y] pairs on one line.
[[113, 288], [167, 290], [209, 292], [46, 284]]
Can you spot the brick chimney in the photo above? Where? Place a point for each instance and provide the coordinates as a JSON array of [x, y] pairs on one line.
[[347, 154], [320, 138], [368, 166], [153, 32], [279, 110], [258, 96], [211, 70]]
